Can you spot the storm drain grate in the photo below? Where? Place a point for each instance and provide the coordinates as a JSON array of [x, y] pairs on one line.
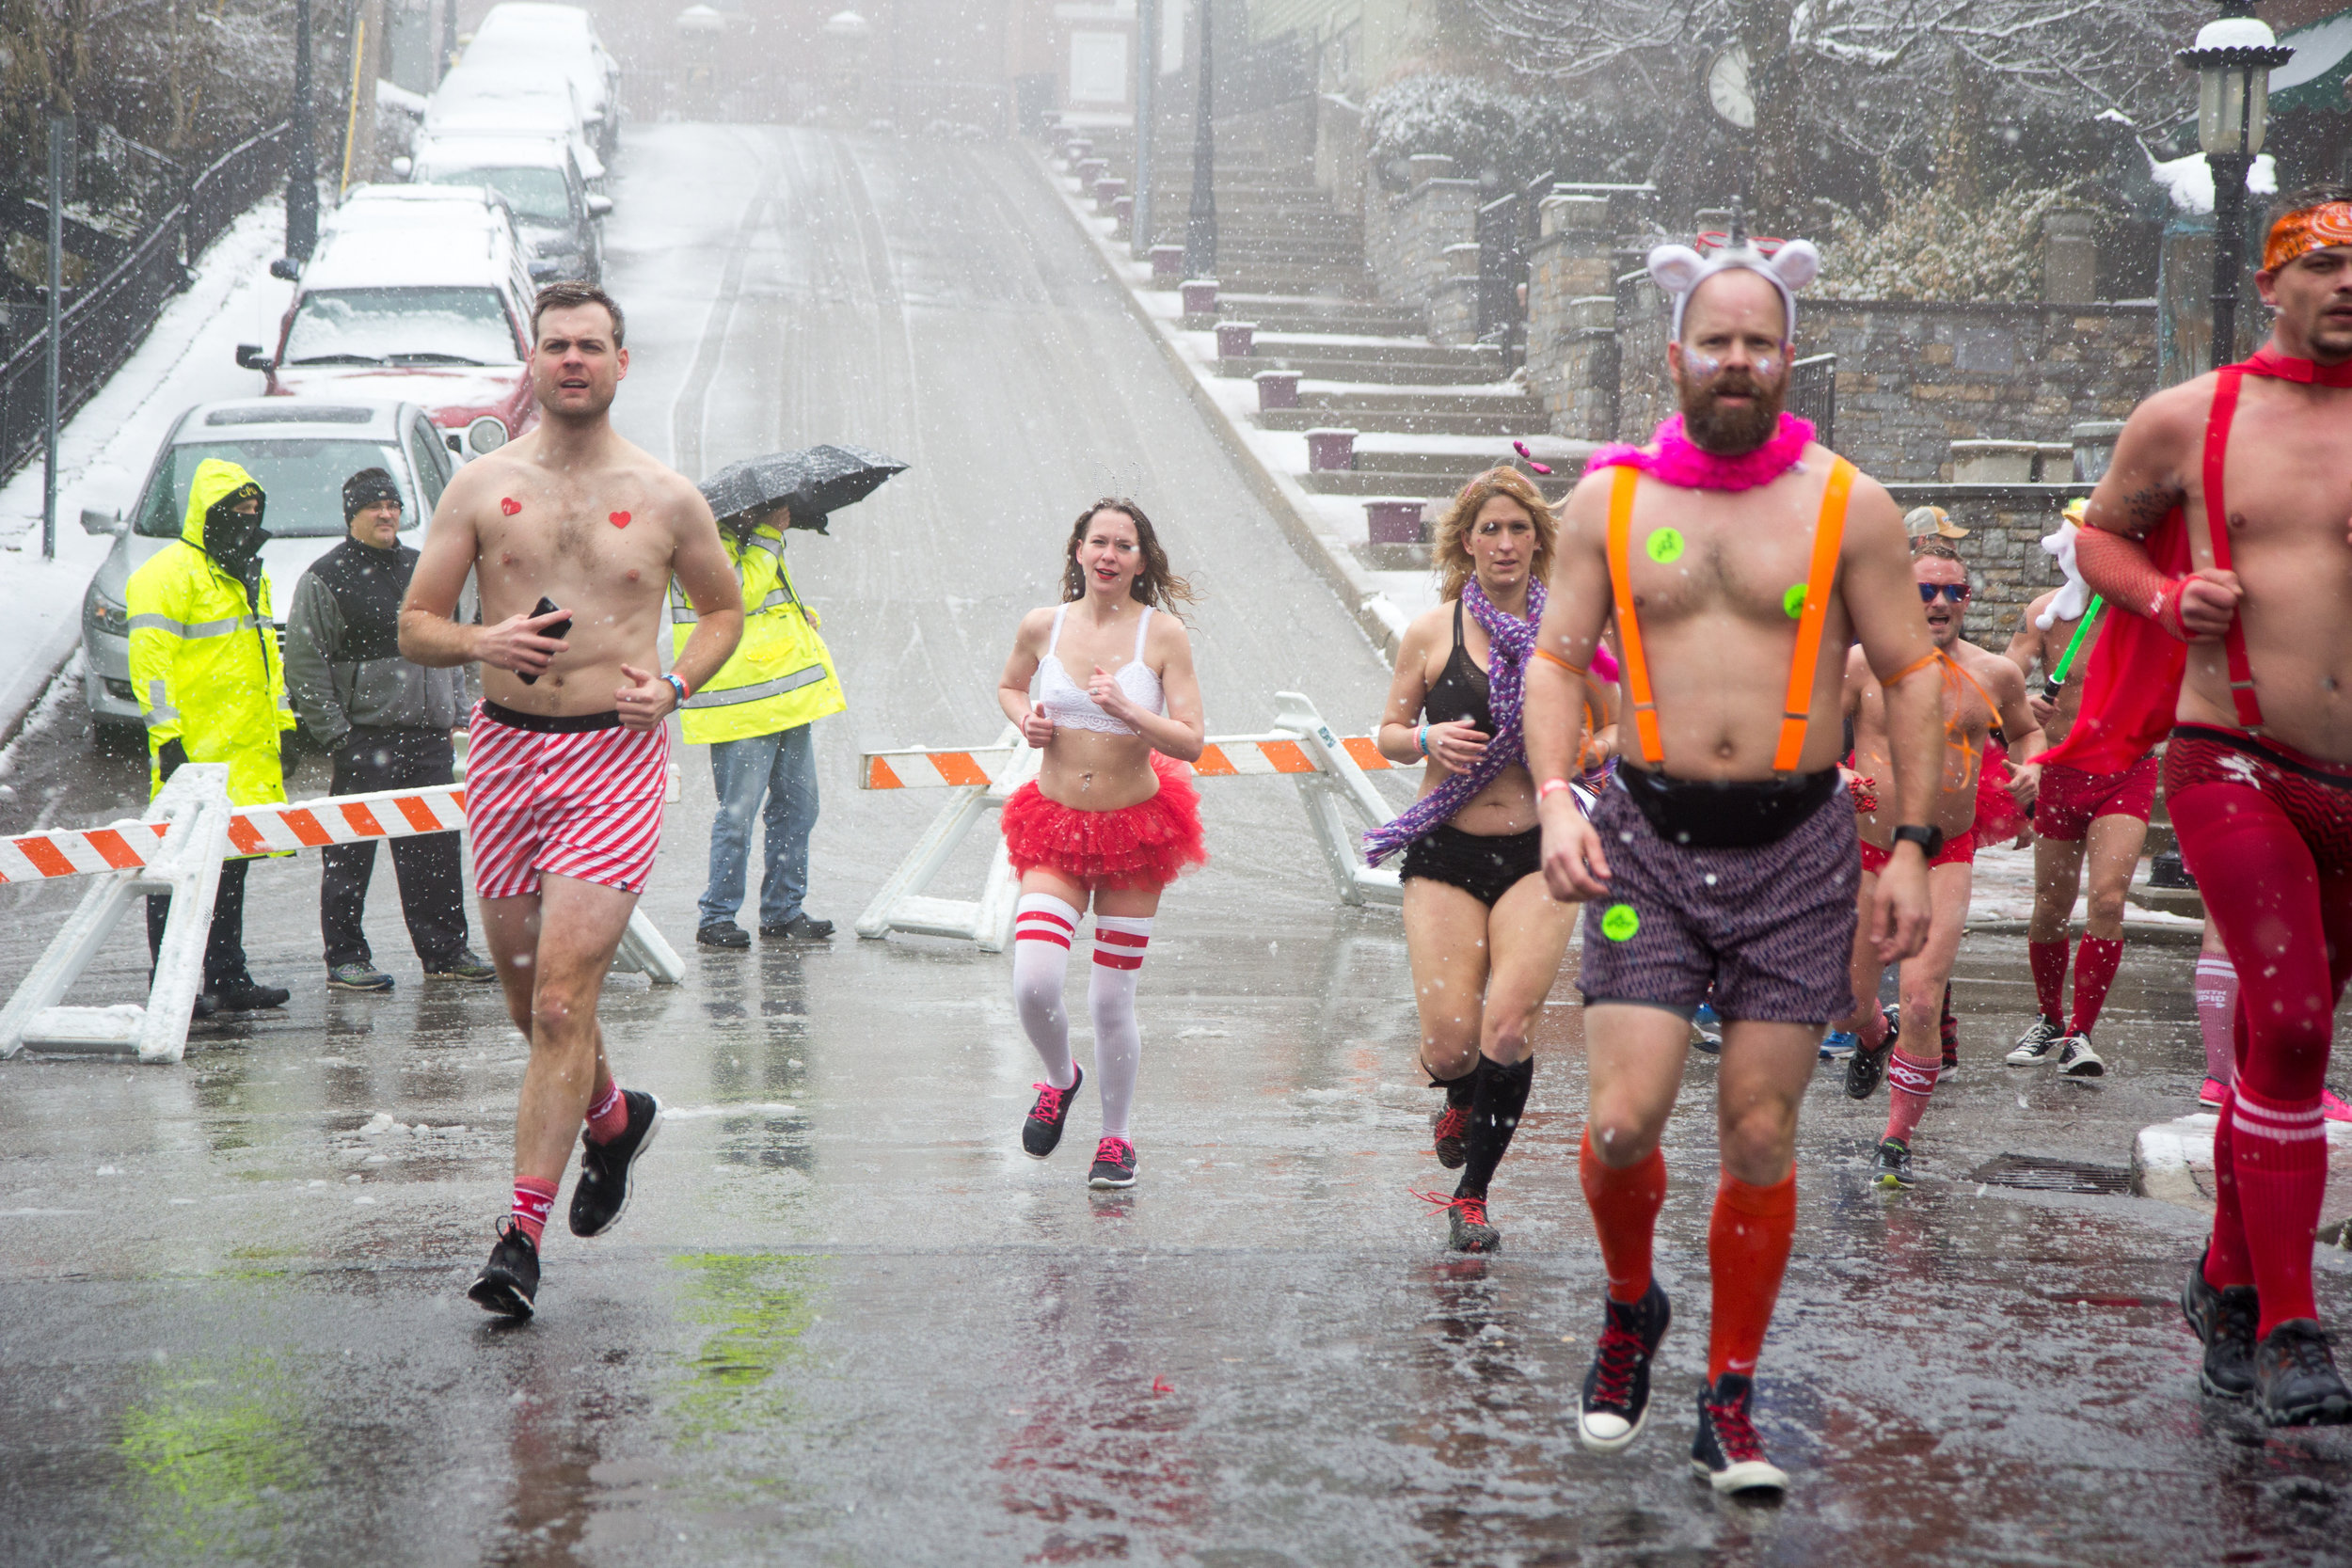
[[2036, 1174]]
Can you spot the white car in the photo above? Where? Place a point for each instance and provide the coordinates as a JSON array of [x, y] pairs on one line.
[[559, 222], [525, 35], [494, 100], [300, 452]]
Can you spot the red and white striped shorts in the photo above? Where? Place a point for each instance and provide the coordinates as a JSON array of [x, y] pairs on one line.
[[577, 797]]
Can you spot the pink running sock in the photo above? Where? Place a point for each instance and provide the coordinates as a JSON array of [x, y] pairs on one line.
[[607, 1118], [2217, 1008], [1909, 1082], [533, 1198]]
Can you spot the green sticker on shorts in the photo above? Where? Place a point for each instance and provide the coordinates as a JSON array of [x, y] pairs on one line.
[[1792, 602], [1665, 545], [1619, 923]]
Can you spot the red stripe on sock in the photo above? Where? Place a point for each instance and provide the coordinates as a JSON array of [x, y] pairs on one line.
[[1124, 939], [1041, 935], [1117, 961]]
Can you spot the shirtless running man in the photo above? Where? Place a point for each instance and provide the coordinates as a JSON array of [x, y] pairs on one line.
[[2258, 775], [569, 754], [1980, 690], [1738, 559]]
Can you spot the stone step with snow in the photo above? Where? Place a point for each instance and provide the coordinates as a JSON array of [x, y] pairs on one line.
[[1423, 368], [1507, 417], [2173, 1161], [1314, 314]]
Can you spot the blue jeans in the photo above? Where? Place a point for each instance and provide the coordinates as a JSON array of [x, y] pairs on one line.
[[783, 768]]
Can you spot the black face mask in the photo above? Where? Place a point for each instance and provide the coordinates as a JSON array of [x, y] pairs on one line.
[[233, 535]]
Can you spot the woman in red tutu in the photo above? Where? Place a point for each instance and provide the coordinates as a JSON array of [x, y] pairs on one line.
[[1112, 817]]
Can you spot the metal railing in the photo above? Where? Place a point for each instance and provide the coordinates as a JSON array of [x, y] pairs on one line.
[[103, 323], [1813, 395]]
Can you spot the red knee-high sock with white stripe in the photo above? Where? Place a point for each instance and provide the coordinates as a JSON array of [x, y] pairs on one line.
[[1909, 1082], [1118, 944], [2280, 1156], [1043, 926]]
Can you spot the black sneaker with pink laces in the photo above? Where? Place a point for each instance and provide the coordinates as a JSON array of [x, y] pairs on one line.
[[1616, 1386], [1726, 1452], [1448, 1129], [1042, 1133], [1113, 1165]]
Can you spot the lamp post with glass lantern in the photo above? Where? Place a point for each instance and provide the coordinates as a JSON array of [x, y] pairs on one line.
[[2232, 58]]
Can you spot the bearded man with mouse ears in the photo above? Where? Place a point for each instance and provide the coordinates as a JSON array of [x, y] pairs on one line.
[[1738, 560], [569, 749]]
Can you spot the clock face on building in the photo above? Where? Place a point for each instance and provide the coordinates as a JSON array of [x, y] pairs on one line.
[[1727, 88]]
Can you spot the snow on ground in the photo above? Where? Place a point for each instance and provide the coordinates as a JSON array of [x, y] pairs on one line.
[[2002, 890], [105, 451]]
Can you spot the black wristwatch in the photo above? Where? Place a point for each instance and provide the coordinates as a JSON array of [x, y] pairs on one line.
[[1929, 839]]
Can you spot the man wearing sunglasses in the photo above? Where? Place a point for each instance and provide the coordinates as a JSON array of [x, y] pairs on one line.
[[1982, 689]]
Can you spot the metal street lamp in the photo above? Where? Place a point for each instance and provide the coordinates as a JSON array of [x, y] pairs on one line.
[[302, 170], [1200, 222], [2233, 59]]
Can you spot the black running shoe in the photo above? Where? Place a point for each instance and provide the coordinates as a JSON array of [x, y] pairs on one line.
[[1466, 1227], [1041, 1134], [511, 1278], [2295, 1382], [608, 1170], [1866, 1067], [724, 934], [2225, 1320], [1891, 1166], [1726, 1451], [249, 995], [1448, 1129], [1113, 1165], [1616, 1384]]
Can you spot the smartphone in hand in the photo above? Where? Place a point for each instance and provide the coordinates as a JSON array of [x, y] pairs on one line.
[[560, 629]]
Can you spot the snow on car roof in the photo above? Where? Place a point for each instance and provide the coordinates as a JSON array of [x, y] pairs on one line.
[[535, 16], [491, 148], [288, 418], [424, 258]]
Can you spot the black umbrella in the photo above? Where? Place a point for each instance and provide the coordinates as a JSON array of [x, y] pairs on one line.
[[813, 483]]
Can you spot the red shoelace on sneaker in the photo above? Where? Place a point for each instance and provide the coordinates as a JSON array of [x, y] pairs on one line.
[[1049, 1103], [1734, 1432], [1452, 1122], [1119, 1152], [1474, 1209], [1618, 1354]]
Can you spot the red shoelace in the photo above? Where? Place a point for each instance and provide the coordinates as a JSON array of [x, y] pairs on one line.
[[1116, 1151], [1735, 1432], [1474, 1209], [1452, 1122], [1049, 1103], [1619, 1352]]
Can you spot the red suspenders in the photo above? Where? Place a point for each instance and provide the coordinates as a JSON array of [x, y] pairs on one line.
[[2249, 709]]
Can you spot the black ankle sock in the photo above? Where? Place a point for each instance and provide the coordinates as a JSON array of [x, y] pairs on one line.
[[1497, 1095]]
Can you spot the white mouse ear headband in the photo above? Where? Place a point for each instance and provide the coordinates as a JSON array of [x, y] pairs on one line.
[[1679, 270]]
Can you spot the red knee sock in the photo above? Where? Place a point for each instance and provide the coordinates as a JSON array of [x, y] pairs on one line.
[[533, 1198], [2281, 1158], [2227, 1261], [1747, 1247], [607, 1118], [2049, 976], [1909, 1082], [2096, 963], [1624, 1212]]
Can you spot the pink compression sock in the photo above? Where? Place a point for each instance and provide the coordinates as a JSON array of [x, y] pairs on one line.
[[2217, 1008]]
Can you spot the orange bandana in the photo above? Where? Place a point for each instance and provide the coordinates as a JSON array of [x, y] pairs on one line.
[[2310, 228]]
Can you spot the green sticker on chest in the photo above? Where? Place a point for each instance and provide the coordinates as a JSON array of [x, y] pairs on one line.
[[1792, 602], [1619, 922], [1665, 545]]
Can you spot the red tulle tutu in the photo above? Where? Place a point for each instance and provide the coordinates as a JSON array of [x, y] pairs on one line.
[[1146, 845]]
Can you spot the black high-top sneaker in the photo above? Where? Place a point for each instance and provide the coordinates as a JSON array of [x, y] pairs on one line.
[[1616, 1384], [510, 1280], [1726, 1452], [2295, 1381], [2225, 1318], [608, 1170]]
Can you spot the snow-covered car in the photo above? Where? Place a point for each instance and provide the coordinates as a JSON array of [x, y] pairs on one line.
[[559, 222], [491, 99], [522, 36], [300, 452], [417, 293]]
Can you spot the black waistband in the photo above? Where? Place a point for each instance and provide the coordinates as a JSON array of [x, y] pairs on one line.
[[2335, 776], [1739, 814], [551, 723]]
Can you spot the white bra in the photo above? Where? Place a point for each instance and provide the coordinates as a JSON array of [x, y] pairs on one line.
[[1065, 701]]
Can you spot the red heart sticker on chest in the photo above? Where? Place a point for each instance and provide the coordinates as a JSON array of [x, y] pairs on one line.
[[509, 505], [618, 519]]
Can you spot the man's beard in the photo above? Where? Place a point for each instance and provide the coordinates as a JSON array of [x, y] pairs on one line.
[[1730, 431]]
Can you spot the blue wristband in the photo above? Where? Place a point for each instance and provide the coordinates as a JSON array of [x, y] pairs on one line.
[[677, 686]]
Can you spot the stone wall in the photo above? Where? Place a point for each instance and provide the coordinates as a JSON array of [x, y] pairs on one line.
[[1408, 237], [2003, 550], [1572, 365]]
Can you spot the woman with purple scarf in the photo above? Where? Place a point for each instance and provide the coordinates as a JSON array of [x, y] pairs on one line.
[[1484, 936]]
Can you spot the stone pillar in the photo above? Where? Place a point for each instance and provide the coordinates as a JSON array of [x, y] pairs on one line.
[[2069, 257], [1409, 261], [1571, 317]]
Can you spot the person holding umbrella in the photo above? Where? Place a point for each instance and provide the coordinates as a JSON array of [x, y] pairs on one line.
[[755, 714]]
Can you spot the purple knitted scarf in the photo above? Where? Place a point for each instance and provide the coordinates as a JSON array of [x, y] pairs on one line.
[[1514, 641]]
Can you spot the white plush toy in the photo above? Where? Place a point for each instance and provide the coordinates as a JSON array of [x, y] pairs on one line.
[[2074, 597], [1679, 270]]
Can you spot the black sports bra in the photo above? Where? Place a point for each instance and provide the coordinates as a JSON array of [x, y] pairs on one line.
[[1461, 687]]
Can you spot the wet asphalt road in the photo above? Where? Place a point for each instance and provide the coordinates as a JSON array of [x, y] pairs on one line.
[[846, 1321]]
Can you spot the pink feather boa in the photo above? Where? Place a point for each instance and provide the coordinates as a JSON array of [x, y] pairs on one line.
[[1681, 462]]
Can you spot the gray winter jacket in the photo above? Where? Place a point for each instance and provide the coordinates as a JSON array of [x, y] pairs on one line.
[[343, 668]]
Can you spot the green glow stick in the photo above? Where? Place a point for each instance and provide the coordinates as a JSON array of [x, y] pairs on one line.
[[2057, 676]]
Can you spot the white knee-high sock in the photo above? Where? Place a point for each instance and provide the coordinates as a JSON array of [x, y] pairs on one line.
[[1119, 947], [1041, 928]]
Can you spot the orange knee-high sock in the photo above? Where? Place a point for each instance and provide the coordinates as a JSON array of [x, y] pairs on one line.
[[1625, 1212], [1747, 1247]]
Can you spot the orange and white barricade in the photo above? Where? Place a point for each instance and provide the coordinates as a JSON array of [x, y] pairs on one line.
[[1330, 770], [177, 848]]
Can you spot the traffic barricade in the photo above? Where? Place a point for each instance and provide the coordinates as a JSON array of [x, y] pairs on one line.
[[1329, 769]]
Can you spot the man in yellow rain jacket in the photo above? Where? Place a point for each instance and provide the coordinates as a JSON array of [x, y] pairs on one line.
[[205, 666], [754, 716]]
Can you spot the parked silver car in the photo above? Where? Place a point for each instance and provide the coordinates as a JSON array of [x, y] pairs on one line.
[[301, 452]]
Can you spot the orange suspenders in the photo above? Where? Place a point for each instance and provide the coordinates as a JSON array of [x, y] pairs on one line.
[[1829, 534]]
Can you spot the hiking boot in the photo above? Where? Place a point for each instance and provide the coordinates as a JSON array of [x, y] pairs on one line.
[[1707, 1030], [724, 934], [2075, 1059], [1041, 1134], [608, 1170], [357, 975], [2034, 1045], [1866, 1067], [2225, 1321], [1616, 1386], [247, 995], [1113, 1165], [801, 927], [2295, 1382], [465, 964], [1447, 1130], [1838, 1045], [1891, 1167], [1726, 1450], [510, 1280]]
